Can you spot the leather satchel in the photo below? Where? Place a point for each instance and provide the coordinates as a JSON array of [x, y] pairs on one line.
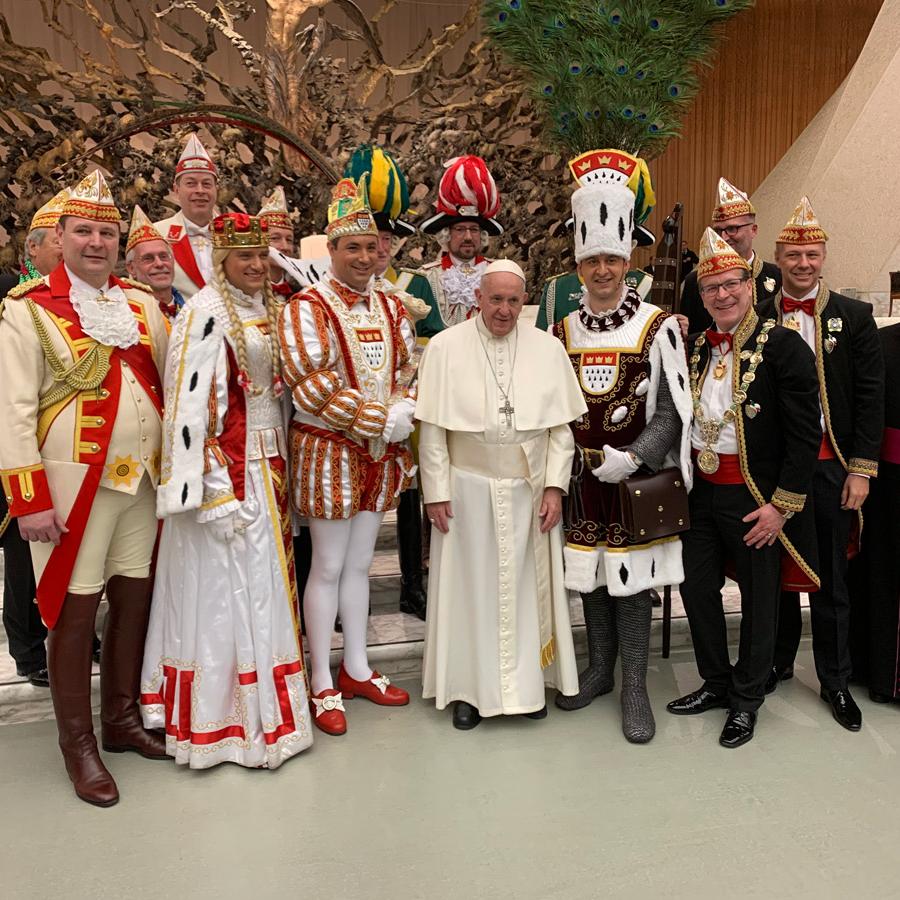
[[654, 506]]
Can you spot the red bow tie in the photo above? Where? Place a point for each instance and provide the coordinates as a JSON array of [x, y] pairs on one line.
[[717, 338], [789, 304]]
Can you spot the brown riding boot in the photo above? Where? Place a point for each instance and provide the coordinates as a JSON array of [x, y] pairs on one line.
[[120, 669], [69, 649]]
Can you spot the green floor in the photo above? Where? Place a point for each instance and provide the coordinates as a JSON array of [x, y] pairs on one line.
[[406, 807]]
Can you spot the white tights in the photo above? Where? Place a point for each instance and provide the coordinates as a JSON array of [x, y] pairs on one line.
[[342, 551]]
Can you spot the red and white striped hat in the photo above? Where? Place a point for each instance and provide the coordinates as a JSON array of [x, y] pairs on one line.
[[194, 158], [467, 192]]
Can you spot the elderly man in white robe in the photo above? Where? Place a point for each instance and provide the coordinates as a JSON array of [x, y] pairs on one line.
[[495, 402]]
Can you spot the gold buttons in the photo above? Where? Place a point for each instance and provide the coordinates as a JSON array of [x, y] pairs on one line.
[[659, 509], [27, 495], [637, 493], [95, 448]]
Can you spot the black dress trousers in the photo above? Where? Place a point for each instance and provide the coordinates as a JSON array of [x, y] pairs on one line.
[[717, 535], [829, 608]]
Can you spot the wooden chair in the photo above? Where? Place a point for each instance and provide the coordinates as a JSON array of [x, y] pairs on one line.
[[895, 291]]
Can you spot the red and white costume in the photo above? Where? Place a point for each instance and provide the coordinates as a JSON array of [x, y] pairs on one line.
[[106, 438], [223, 671], [342, 353]]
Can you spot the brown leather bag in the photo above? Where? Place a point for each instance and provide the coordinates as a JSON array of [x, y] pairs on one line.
[[654, 506]]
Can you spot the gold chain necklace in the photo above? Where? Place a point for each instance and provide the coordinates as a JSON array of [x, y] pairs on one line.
[[710, 430]]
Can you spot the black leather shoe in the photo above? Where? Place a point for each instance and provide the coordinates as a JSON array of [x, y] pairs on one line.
[[465, 716], [697, 702], [655, 599], [39, 678], [878, 697], [738, 728], [413, 600], [538, 713], [776, 675], [843, 707]]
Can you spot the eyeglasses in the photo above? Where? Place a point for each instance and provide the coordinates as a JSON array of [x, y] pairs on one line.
[[465, 229], [730, 286], [731, 230]]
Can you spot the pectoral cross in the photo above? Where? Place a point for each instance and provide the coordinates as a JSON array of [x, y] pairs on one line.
[[507, 409]]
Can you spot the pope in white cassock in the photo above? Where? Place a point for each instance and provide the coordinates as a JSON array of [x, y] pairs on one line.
[[495, 454]]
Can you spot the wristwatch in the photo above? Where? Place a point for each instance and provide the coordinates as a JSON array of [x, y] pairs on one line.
[[784, 513]]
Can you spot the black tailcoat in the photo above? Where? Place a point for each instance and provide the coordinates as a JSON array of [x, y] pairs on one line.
[[766, 284], [778, 443], [851, 376]]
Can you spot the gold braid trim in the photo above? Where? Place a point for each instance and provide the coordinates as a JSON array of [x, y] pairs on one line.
[[5, 524], [788, 500], [86, 374], [858, 466]]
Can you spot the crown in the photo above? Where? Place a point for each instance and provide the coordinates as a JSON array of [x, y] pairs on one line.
[[233, 230]]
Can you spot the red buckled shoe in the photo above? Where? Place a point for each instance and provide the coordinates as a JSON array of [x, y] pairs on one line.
[[378, 689], [328, 711]]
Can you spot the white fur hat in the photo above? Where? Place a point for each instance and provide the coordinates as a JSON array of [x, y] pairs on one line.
[[603, 219]]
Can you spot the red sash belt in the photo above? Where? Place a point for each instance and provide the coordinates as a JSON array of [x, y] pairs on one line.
[[826, 451], [729, 471], [890, 446]]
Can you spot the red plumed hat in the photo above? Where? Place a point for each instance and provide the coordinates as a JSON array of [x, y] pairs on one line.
[[467, 192]]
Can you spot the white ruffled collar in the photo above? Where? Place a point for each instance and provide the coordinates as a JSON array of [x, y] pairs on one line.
[[104, 313]]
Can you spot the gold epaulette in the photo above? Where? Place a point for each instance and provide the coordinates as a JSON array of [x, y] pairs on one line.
[[137, 284], [20, 290]]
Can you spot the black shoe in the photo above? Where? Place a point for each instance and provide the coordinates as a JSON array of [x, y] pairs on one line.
[[738, 728], [655, 599], [878, 697], [538, 713], [843, 707], [697, 702], [39, 677], [95, 652], [465, 716], [413, 600], [776, 675]]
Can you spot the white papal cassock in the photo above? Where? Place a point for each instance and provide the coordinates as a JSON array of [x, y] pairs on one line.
[[498, 624]]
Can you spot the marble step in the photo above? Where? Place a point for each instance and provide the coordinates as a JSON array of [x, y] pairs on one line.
[[395, 649]]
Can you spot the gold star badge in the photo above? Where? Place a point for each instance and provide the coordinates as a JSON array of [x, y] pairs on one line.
[[123, 471]]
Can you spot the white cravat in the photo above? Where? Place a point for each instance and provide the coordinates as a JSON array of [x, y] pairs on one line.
[[104, 313], [201, 244]]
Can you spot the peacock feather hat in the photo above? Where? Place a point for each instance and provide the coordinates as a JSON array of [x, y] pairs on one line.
[[610, 74], [387, 186]]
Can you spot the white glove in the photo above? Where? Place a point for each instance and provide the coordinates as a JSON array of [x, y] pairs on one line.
[[399, 424], [223, 528], [617, 465]]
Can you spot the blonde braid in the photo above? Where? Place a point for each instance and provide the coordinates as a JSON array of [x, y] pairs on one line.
[[237, 326]]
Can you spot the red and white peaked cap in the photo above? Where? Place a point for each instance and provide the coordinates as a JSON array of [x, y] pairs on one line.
[[194, 158], [467, 192]]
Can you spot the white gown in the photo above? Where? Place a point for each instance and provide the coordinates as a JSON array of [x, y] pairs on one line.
[[489, 577], [223, 670]]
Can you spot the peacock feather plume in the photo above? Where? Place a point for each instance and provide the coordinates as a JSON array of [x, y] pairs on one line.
[[620, 73]]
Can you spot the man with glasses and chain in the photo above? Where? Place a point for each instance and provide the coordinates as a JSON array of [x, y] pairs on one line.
[[755, 438], [466, 204], [733, 220], [495, 454]]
